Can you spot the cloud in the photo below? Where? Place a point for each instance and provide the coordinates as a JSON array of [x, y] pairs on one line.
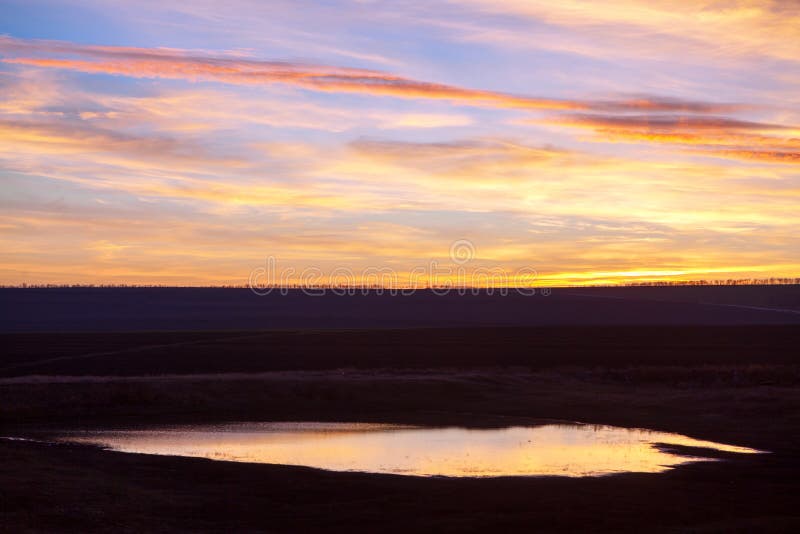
[[689, 138], [192, 65], [421, 120], [682, 30], [65, 137], [35, 93], [769, 156], [662, 122], [489, 160], [742, 140], [162, 168], [471, 148]]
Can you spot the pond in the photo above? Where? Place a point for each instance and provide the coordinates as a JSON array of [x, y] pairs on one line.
[[572, 450]]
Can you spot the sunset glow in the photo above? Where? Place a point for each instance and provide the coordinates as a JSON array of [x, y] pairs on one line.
[[183, 143]]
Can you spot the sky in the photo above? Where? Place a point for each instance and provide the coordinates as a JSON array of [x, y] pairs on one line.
[[588, 142]]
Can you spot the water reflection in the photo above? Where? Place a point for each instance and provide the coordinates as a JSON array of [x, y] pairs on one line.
[[554, 449]]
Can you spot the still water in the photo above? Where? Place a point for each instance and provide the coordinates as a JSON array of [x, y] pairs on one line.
[[572, 450]]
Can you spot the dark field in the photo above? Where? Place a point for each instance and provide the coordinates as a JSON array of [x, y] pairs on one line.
[[728, 373], [158, 353], [175, 309]]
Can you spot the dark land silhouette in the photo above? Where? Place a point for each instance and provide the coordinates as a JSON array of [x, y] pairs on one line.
[[132, 309], [716, 363]]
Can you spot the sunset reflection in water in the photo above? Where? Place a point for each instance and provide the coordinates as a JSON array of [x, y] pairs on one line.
[[572, 450]]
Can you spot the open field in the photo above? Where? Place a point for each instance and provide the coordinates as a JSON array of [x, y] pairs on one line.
[[733, 383], [156, 353], [182, 309]]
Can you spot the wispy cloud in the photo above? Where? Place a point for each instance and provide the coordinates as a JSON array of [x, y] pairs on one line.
[[714, 136], [665, 29], [666, 122], [771, 156], [59, 137], [189, 65]]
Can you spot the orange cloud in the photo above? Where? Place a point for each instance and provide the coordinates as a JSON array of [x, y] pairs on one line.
[[742, 138], [664, 122], [684, 138], [182, 64], [759, 155]]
